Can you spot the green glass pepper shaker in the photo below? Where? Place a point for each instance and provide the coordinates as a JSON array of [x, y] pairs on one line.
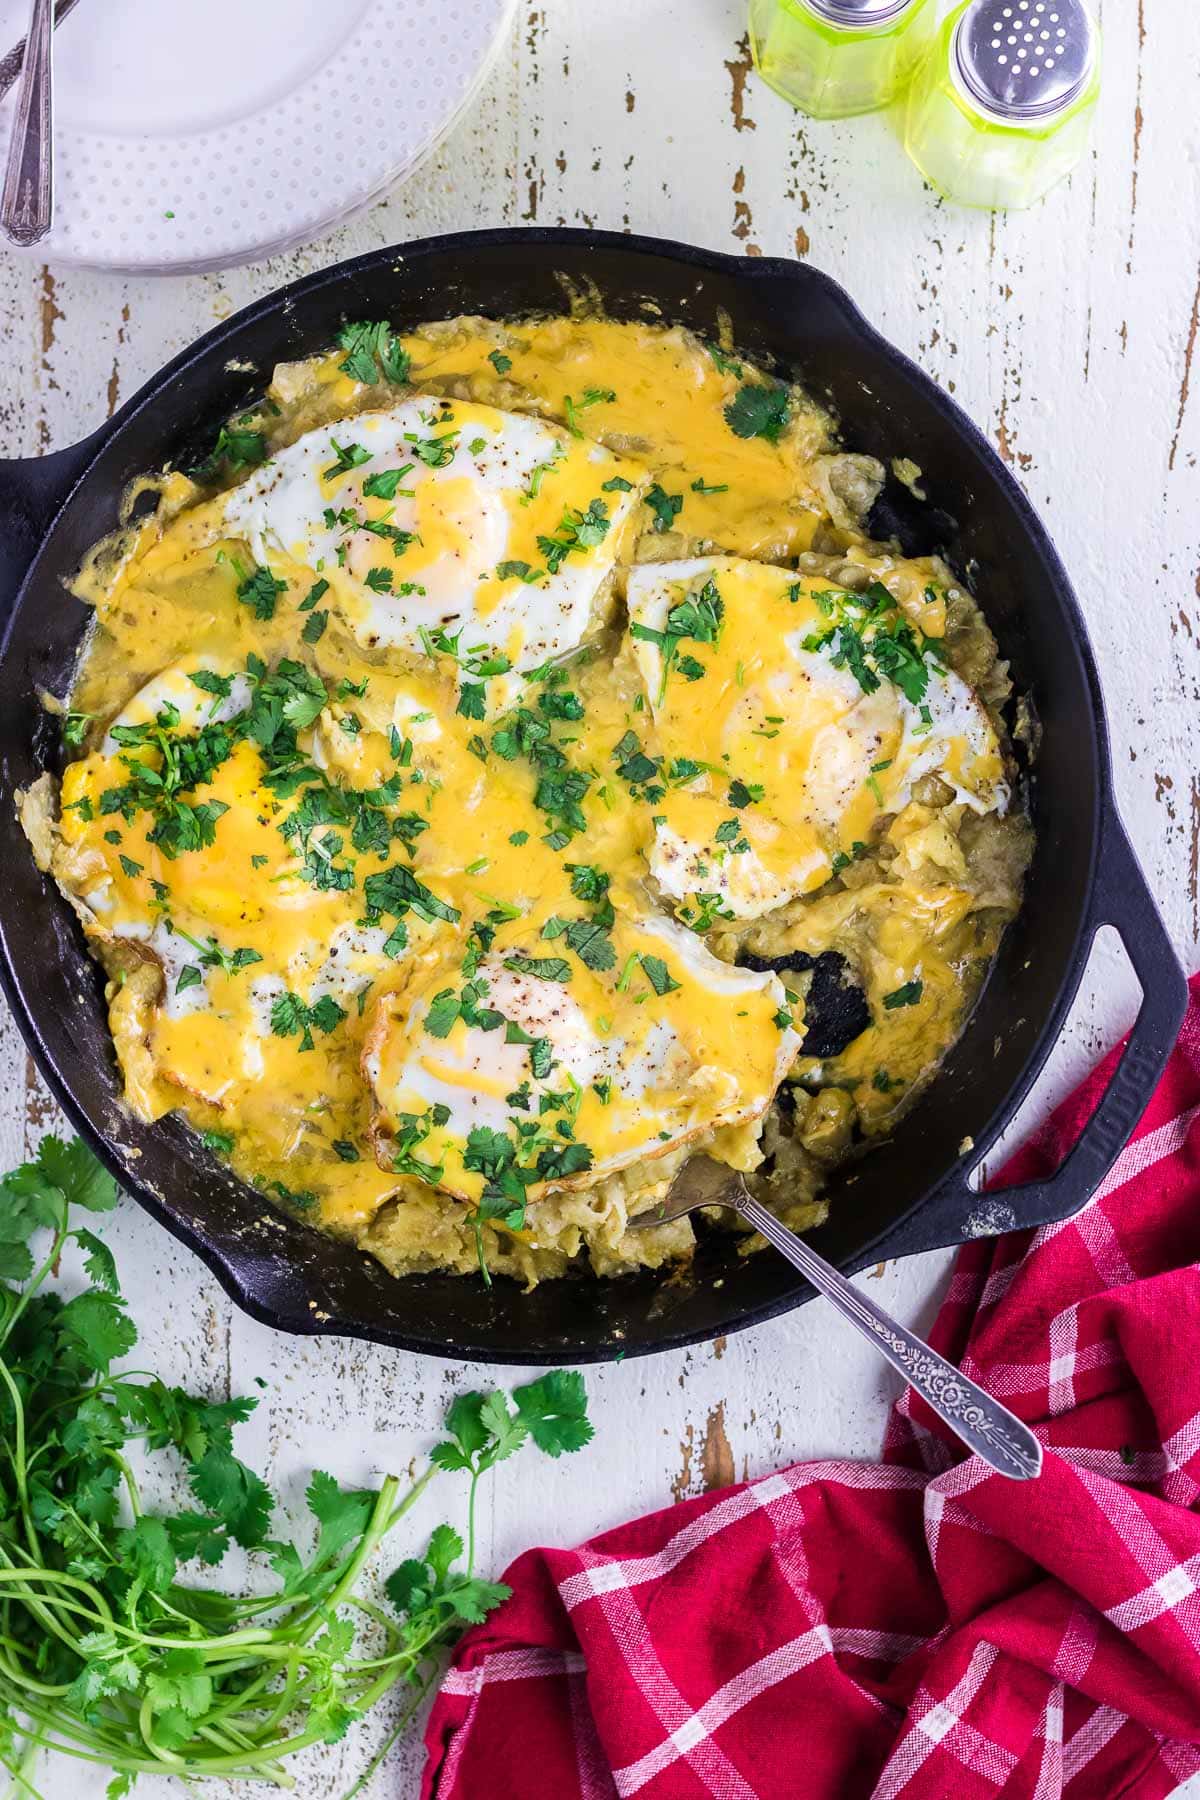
[[836, 58], [1001, 108]]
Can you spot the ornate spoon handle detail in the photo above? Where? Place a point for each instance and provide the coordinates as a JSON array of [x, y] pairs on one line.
[[985, 1426], [27, 203]]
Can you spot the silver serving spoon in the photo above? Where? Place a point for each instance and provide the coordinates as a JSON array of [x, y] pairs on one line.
[[985, 1426], [27, 203]]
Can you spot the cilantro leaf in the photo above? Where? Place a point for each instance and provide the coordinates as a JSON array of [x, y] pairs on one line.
[[99, 1327], [236, 1494], [77, 1174], [759, 411], [259, 590], [555, 1410], [542, 968], [343, 1514], [99, 1261], [665, 507], [658, 975], [373, 351]]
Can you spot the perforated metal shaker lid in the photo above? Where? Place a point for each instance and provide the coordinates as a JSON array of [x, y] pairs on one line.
[[860, 14], [1024, 60]]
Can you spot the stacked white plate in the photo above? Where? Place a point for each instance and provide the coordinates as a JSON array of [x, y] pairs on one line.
[[196, 134]]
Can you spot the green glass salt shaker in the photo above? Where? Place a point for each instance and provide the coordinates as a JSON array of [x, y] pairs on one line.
[[1001, 108], [836, 58]]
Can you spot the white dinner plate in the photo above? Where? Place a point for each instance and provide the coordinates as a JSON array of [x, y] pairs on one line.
[[195, 134]]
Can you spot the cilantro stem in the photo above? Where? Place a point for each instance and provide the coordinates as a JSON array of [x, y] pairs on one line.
[[160, 1676]]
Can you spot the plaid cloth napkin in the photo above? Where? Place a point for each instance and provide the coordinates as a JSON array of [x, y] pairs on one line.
[[916, 1627]]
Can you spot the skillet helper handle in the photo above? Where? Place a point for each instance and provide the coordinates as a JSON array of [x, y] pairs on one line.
[[31, 491], [1122, 898], [985, 1427]]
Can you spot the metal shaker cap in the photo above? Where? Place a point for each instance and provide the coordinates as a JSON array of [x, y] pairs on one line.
[[860, 15], [1024, 60]]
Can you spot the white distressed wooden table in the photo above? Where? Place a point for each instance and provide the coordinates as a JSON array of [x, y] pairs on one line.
[[1068, 333]]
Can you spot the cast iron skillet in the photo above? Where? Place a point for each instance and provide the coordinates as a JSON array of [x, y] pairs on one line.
[[912, 1195]]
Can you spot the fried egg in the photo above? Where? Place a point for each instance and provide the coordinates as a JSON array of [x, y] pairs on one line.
[[445, 522], [791, 716], [204, 690], [560, 1073]]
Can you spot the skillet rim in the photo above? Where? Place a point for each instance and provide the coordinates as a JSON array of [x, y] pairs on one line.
[[771, 271]]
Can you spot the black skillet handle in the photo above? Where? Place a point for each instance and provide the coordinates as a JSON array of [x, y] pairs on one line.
[[31, 491], [1122, 899]]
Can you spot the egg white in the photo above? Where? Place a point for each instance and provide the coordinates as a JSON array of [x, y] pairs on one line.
[[174, 688], [659, 1095], [503, 471], [831, 733]]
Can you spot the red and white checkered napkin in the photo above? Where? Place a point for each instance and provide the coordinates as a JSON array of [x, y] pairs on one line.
[[918, 1627]]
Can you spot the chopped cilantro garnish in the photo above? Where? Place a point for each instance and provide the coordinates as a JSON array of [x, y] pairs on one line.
[[412, 1131], [742, 793], [501, 363], [543, 968], [349, 456], [908, 995], [699, 617], [730, 832], [316, 592], [635, 767], [576, 531], [702, 910], [590, 941], [434, 452], [236, 448], [260, 590], [384, 484], [757, 410], [442, 1012], [591, 397], [658, 975], [292, 1017], [726, 364], [587, 883], [396, 891], [74, 729], [560, 704], [373, 351], [515, 570], [472, 700], [665, 507]]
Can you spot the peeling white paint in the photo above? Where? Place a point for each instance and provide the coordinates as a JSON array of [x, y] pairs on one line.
[[1065, 332]]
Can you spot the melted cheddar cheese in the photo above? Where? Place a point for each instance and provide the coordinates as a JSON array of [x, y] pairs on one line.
[[452, 741]]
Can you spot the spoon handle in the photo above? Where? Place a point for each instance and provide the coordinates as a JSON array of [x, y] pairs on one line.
[[985, 1426], [27, 203]]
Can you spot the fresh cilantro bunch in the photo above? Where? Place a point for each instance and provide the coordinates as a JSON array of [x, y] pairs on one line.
[[106, 1652]]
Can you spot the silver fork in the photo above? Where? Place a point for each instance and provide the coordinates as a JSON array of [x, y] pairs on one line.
[[13, 61], [985, 1426], [27, 202]]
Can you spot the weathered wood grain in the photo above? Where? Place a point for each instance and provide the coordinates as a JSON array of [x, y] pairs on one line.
[[1068, 333]]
